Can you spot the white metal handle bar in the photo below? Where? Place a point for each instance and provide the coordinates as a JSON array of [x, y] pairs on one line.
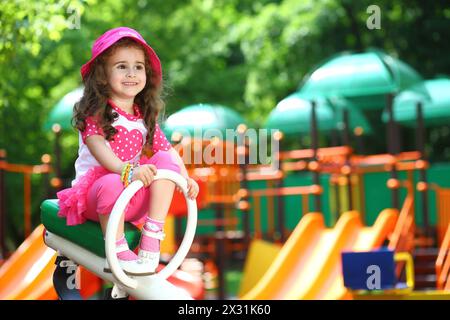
[[119, 209]]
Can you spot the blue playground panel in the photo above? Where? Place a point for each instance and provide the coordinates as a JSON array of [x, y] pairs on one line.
[[373, 270]]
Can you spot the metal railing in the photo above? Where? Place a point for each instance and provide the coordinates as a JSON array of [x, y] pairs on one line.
[[402, 238], [443, 210], [27, 171], [304, 192]]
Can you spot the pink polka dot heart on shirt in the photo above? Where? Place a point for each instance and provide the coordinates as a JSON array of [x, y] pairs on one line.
[[126, 144]]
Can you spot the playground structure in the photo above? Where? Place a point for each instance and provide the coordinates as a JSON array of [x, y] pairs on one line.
[[307, 266], [343, 167]]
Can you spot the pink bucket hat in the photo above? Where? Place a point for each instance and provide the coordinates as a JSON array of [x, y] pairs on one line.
[[110, 37]]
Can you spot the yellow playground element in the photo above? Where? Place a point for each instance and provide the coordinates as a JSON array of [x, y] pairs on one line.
[[308, 266], [260, 256]]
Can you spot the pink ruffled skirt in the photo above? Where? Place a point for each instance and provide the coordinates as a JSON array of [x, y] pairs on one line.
[[97, 191]]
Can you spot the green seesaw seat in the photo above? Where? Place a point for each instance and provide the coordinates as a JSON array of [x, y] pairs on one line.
[[87, 235]]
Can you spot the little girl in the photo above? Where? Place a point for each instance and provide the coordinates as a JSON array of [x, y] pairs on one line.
[[116, 119]]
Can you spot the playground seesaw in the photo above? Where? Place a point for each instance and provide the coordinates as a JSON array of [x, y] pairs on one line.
[[84, 245]]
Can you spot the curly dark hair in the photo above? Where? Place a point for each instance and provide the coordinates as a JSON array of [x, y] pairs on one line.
[[97, 90]]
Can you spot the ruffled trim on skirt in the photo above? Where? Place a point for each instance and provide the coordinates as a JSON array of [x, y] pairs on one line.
[[73, 201]]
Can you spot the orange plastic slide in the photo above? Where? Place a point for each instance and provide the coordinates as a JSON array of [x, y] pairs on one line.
[[309, 264], [27, 274]]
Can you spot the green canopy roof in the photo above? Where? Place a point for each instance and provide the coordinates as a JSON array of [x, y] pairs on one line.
[[435, 104], [363, 78], [292, 115], [63, 110], [200, 118]]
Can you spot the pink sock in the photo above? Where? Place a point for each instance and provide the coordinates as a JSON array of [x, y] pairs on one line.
[[126, 255], [148, 243]]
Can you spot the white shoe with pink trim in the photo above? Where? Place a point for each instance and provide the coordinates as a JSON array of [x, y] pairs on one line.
[[148, 258], [130, 267]]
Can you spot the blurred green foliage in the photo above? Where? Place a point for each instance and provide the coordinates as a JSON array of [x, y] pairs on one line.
[[244, 54]]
